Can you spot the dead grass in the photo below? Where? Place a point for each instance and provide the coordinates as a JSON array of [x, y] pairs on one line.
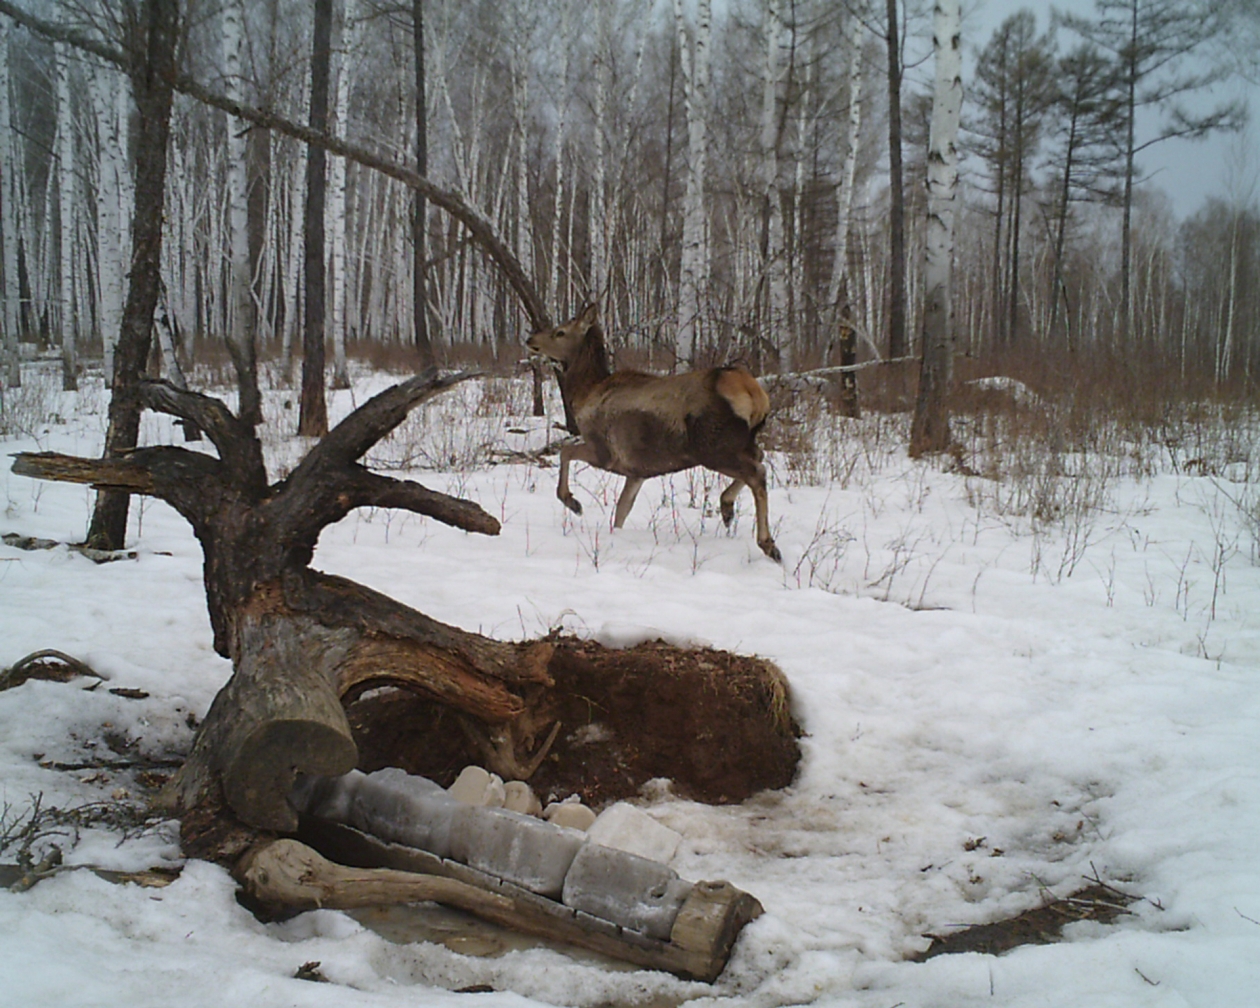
[[1043, 925]]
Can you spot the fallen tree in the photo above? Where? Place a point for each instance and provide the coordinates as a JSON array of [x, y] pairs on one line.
[[306, 645]]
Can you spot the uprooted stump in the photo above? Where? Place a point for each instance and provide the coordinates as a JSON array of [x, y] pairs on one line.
[[716, 724]]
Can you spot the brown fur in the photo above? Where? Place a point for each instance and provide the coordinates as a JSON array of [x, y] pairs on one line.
[[640, 425]]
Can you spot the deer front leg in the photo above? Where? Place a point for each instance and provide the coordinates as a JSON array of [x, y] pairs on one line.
[[580, 452], [625, 502]]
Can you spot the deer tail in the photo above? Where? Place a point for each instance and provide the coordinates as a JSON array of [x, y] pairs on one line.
[[745, 395]]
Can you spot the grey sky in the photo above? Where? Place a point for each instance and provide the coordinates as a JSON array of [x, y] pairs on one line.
[[1188, 172]]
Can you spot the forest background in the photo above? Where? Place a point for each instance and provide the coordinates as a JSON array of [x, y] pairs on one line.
[[720, 178]]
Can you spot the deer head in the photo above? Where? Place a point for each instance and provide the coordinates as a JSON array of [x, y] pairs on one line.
[[563, 342]]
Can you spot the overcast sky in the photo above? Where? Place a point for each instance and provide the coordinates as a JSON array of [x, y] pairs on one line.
[[1188, 172]]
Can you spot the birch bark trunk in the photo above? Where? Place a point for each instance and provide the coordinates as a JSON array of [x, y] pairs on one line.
[[337, 201], [557, 213], [773, 265], [111, 251], [65, 315], [8, 222], [930, 426], [240, 307], [693, 272]]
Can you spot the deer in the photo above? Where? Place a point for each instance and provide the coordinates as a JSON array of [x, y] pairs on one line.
[[640, 425]]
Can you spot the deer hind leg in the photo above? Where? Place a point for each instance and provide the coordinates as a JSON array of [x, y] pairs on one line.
[[750, 471], [580, 452], [728, 501], [626, 501]]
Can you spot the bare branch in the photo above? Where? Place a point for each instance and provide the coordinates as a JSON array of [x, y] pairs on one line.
[[236, 442], [481, 229]]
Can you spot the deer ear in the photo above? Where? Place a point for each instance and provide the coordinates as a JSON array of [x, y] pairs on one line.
[[590, 314]]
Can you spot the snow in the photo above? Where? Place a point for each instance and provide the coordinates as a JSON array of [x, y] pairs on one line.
[[994, 707]]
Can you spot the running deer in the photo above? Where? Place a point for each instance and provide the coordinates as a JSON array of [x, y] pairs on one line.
[[640, 425]]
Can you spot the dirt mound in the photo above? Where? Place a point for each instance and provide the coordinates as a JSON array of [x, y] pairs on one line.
[[717, 724]]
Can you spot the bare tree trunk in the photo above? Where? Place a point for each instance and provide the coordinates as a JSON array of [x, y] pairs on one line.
[[151, 90], [897, 344], [66, 195], [420, 209], [240, 307], [339, 287], [930, 427], [313, 418], [693, 272], [838, 293], [8, 223], [773, 264], [111, 256]]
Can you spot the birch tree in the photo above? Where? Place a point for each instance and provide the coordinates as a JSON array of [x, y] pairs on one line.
[[313, 412], [111, 102], [66, 202], [693, 271], [838, 289], [897, 344], [774, 253], [338, 284], [8, 222], [420, 206], [240, 316], [930, 427]]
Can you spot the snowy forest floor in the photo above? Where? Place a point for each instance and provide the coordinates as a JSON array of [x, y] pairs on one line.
[[1018, 671]]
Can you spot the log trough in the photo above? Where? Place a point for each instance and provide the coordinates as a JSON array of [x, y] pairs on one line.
[[514, 870]]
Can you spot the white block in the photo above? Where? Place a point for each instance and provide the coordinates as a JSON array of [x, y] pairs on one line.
[[634, 892], [519, 797], [475, 786], [569, 813], [518, 848], [624, 827]]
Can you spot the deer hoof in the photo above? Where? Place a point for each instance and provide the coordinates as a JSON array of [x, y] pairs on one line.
[[771, 550], [728, 513], [572, 504]]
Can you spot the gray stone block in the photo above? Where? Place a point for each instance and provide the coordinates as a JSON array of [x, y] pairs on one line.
[[634, 892], [521, 849]]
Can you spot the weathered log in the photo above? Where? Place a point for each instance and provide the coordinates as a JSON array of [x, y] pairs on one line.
[[288, 874], [699, 946], [277, 716]]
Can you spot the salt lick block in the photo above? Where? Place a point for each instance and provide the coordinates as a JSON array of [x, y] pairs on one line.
[[519, 797], [517, 848], [624, 827], [570, 814], [475, 786], [326, 797], [638, 894], [390, 804]]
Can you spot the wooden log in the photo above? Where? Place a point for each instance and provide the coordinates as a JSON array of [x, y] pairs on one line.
[[700, 944], [279, 715], [289, 874]]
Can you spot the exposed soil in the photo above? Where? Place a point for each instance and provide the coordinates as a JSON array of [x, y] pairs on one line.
[[716, 724], [1042, 926]]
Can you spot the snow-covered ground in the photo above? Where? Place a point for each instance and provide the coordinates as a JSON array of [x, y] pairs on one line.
[[994, 707]]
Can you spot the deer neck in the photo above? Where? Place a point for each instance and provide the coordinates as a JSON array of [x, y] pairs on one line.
[[587, 369]]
